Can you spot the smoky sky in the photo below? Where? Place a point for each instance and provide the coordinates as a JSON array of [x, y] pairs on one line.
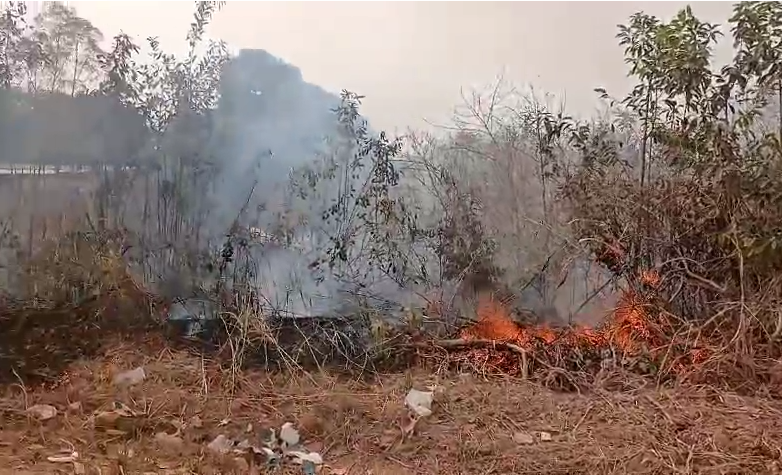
[[412, 59]]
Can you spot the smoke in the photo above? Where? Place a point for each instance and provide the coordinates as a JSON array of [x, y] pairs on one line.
[[269, 123]]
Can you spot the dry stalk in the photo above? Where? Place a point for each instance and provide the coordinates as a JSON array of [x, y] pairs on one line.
[[463, 343]]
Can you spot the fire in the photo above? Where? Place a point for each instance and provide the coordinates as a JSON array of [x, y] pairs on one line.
[[629, 327], [651, 278], [632, 329], [494, 323]]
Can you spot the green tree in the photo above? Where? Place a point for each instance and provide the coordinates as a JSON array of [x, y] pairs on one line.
[[708, 220], [757, 37]]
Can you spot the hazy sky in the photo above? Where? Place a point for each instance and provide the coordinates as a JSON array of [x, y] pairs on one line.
[[412, 58]]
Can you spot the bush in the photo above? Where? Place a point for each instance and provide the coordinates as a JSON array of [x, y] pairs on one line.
[[703, 210]]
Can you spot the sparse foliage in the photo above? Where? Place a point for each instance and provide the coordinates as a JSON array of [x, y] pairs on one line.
[[71, 46], [707, 218], [12, 43]]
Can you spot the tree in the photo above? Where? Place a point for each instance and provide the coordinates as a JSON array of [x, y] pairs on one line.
[[12, 42], [707, 221], [71, 46], [757, 33]]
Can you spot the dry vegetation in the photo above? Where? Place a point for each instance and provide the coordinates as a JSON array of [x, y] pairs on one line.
[[660, 221], [478, 425]]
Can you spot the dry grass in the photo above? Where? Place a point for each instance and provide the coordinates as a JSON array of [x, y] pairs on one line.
[[356, 426]]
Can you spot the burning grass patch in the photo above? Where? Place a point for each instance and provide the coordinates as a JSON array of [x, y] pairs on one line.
[[637, 336], [43, 335]]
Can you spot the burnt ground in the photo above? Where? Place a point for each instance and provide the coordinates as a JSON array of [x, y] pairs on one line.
[[478, 426]]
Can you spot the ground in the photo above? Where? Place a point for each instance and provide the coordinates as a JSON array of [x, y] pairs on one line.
[[486, 426]]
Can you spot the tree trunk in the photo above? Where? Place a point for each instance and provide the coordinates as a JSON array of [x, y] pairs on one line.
[[75, 68]]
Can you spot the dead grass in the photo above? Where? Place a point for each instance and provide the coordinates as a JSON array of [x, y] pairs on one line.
[[357, 426]]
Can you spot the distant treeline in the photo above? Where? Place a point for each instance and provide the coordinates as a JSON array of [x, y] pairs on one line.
[[58, 129], [265, 106]]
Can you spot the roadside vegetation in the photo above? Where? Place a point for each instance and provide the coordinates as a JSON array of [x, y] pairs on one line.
[[625, 267]]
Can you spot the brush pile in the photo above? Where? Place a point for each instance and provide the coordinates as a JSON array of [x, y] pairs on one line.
[[636, 336]]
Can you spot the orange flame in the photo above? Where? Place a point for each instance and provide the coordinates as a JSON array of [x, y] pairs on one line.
[[651, 278], [630, 329]]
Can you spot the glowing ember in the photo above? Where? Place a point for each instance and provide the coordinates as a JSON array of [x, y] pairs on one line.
[[651, 278]]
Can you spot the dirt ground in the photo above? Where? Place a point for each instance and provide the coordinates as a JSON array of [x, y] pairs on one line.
[[165, 423]]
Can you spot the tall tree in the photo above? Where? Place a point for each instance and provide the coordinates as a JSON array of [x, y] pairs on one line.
[[71, 45], [12, 26]]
